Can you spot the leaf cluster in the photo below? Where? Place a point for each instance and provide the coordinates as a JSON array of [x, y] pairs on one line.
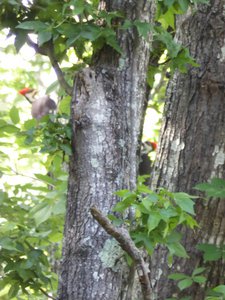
[[31, 212], [211, 252], [67, 24], [156, 217], [185, 281]]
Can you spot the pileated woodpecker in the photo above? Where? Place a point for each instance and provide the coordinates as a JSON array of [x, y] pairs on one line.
[[40, 106], [145, 165]]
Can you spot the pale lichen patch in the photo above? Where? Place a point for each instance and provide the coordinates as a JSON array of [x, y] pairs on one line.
[[222, 55], [219, 156], [176, 147], [110, 254]]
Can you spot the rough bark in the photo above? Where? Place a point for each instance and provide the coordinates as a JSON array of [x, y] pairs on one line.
[[107, 110], [192, 147]]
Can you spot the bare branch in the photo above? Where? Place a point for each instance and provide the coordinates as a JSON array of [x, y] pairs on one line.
[[46, 294], [59, 74], [127, 244], [48, 50]]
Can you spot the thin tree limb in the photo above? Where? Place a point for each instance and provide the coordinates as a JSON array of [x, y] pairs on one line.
[[27, 176], [48, 50], [127, 244], [46, 294]]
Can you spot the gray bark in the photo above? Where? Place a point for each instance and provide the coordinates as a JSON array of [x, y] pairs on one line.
[[107, 110], [192, 145]]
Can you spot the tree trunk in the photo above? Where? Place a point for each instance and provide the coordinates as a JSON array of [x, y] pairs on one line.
[[192, 147], [107, 111]]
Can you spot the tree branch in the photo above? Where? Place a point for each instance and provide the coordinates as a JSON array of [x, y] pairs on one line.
[[46, 294], [48, 50], [127, 244]]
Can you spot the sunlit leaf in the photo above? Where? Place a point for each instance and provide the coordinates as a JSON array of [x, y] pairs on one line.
[[14, 115], [199, 279], [220, 289], [153, 220], [185, 283], [42, 215], [184, 201], [198, 271]]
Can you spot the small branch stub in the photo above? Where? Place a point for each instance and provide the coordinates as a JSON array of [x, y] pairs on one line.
[[126, 243]]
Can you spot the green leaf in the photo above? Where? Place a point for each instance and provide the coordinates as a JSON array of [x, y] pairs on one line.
[[201, 1], [122, 193], [30, 124], [53, 87], [64, 105], [167, 39], [169, 3], [144, 189], [143, 28], [168, 213], [42, 215], [116, 221], [45, 178], [211, 252], [90, 32], [168, 19], [183, 5], [125, 203], [8, 244], [177, 249], [14, 115], [9, 129], [13, 291], [127, 24], [66, 149], [146, 203], [220, 289], [185, 283], [198, 271], [215, 188], [199, 279], [153, 220], [112, 41], [43, 37], [142, 179], [143, 239], [182, 61], [79, 7], [33, 25], [26, 264], [20, 39], [184, 202], [59, 207]]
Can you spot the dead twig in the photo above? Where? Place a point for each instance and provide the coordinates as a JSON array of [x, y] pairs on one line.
[[126, 243]]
